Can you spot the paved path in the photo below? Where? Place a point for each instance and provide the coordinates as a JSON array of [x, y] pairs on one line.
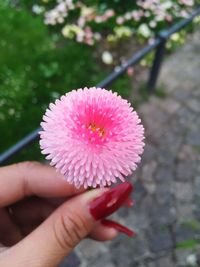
[[166, 216]]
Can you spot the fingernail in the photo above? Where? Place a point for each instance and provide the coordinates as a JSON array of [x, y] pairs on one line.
[[110, 201], [119, 227]]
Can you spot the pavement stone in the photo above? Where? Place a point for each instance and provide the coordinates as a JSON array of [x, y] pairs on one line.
[[185, 170], [160, 240], [193, 137], [139, 191], [150, 187], [150, 152], [164, 193], [91, 250], [187, 152], [171, 141], [181, 257], [197, 186], [162, 214], [183, 191], [170, 105], [165, 262], [193, 104], [184, 211], [71, 261], [185, 116], [164, 174], [183, 232], [165, 157], [148, 172]]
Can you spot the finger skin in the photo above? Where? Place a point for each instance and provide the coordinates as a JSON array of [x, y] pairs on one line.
[[9, 232], [102, 233], [57, 236], [32, 178], [30, 213]]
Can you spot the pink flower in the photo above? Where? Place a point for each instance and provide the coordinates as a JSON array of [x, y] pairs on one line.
[[187, 2], [130, 71], [168, 18], [120, 20], [109, 13], [92, 136]]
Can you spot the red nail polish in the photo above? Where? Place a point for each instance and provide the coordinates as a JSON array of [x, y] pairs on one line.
[[110, 201], [118, 227]]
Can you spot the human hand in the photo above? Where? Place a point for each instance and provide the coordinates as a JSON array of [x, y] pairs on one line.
[[42, 217]]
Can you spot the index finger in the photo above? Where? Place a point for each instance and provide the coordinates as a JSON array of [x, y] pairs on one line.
[[32, 178]]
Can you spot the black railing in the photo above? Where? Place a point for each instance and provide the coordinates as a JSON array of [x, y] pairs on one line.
[[158, 45]]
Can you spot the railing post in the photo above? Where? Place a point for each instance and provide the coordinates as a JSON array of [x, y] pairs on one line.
[[159, 53], [19, 145]]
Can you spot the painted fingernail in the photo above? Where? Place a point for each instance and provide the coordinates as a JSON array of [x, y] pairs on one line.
[[110, 201], [119, 227]]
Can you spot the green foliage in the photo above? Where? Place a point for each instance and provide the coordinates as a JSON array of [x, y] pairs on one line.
[[188, 244], [34, 70], [160, 92], [121, 86], [192, 224]]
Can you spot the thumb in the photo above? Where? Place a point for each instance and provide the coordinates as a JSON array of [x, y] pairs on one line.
[[65, 228]]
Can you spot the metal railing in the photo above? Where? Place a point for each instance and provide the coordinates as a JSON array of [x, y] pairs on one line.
[[158, 45]]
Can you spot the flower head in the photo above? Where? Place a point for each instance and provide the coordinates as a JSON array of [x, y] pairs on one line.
[[107, 57], [92, 136]]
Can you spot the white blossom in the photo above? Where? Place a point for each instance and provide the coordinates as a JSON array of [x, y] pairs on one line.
[[107, 57]]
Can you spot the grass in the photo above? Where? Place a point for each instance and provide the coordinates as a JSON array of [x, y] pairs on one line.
[[188, 244]]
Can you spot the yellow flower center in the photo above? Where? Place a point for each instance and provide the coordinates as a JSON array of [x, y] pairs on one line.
[[95, 128]]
